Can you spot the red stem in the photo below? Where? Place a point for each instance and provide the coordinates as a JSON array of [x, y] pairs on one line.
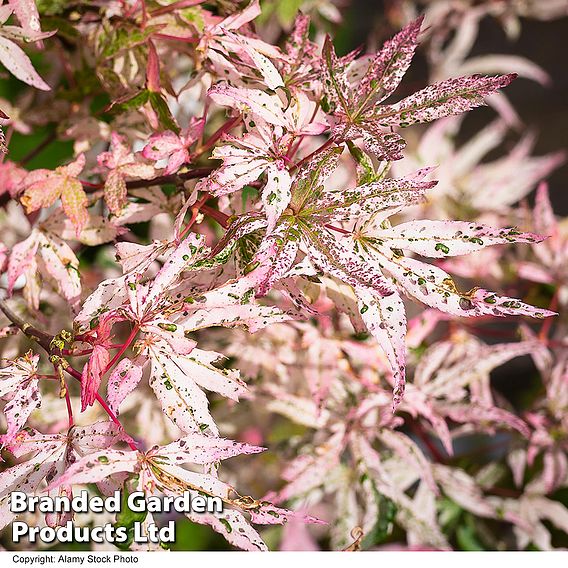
[[125, 346], [194, 213], [217, 134], [216, 215], [323, 147], [339, 230], [69, 408], [419, 431]]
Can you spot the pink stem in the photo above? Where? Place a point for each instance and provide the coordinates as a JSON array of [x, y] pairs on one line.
[[218, 133], [69, 408], [120, 353], [314, 153], [194, 213]]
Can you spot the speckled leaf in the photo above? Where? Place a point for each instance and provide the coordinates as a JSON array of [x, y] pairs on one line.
[[196, 448], [122, 381], [367, 199], [389, 66], [439, 239], [182, 401], [19, 381], [385, 318], [452, 96]]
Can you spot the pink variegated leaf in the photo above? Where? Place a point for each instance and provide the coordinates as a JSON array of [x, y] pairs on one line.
[[484, 416], [308, 184], [107, 297], [20, 383], [232, 305], [174, 147], [475, 367], [268, 71], [61, 265], [308, 472], [199, 366], [189, 251], [50, 456], [199, 449], [385, 318], [74, 203], [449, 97], [277, 252], [182, 400], [98, 230], [21, 258], [338, 92], [389, 66], [544, 218], [97, 466], [134, 257], [202, 482], [234, 527], [409, 453], [440, 239], [268, 514], [252, 102], [13, 57], [367, 199], [436, 288], [462, 489], [122, 381], [43, 187], [342, 260], [276, 194], [27, 14], [115, 191]]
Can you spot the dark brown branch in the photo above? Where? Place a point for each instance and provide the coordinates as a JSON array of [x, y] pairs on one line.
[[40, 337], [39, 148]]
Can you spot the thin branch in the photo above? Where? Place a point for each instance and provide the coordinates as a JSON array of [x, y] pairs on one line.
[[39, 148], [40, 337]]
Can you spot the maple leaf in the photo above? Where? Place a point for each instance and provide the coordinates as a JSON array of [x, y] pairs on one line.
[[19, 382], [12, 56], [302, 64], [121, 163], [372, 260], [43, 187], [236, 54], [174, 147], [355, 101], [160, 470], [50, 456], [11, 176], [43, 254], [550, 258]]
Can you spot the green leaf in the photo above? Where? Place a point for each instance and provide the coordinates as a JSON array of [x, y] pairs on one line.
[[130, 103], [126, 518], [163, 111], [467, 538], [383, 526], [126, 38], [365, 169]]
